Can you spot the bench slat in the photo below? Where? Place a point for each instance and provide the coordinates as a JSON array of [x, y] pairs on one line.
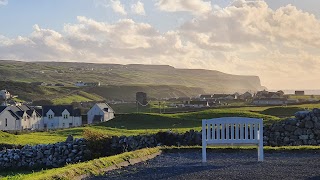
[[223, 131], [228, 131], [232, 141], [246, 131], [232, 131]]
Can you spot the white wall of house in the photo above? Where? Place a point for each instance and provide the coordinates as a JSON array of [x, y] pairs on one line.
[[96, 110], [36, 122], [8, 122], [269, 102], [4, 94], [57, 122]]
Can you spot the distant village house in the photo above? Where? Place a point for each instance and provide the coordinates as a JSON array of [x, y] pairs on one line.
[[91, 84], [100, 112]]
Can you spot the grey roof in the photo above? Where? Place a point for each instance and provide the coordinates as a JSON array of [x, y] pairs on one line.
[[18, 111], [14, 114], [59, 109], [105, 107]]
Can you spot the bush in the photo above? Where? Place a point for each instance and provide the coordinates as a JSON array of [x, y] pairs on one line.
[[98, 143]]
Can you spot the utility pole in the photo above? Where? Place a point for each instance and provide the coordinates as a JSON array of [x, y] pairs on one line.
[[159, 107]]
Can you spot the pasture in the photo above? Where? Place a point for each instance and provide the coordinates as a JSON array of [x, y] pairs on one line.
[[148, 123]]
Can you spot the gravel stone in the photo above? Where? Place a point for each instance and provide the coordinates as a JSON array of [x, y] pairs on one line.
[[231, 165]]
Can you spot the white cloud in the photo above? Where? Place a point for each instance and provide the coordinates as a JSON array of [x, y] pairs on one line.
[[194, 6], [3, 2], [281, 46], [118, 7], [138, 8]]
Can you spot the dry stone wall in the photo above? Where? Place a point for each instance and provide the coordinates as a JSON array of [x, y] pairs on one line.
[[44, 156], [303, 129]]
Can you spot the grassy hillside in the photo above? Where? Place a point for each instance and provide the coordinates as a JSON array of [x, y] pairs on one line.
[[128, 92], [113, 74], [69, 94], [55, 95], [134, 124]]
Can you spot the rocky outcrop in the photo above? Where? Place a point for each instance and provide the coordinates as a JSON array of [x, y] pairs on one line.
[[303, 129]]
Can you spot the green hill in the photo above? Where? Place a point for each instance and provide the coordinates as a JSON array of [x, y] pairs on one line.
[[126, 75]]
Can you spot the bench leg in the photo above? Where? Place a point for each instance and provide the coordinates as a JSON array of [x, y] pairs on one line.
[[204, 153], [260, 152]]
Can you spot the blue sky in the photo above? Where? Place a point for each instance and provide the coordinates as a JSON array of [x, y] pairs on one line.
[[233, 36]]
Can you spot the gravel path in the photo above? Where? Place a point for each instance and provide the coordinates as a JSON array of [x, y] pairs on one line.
[[231, 165]]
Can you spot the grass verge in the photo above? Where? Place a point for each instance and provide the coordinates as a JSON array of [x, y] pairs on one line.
[[92, 167]]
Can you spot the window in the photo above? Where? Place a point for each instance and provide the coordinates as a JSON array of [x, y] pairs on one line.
[[65, 116], [6, 122], [70, 124], [25, 118], [51, 124], [50, 116], [63, 124]]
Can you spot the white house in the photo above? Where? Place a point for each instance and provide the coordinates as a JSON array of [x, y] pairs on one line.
[[55, 117], [4, 94], [19, 118], [270, 101], [100, 112], [246, 95], [91, 84]]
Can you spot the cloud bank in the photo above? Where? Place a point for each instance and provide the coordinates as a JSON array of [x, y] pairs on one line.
[[281, 46], [3, 2], [138, 8]]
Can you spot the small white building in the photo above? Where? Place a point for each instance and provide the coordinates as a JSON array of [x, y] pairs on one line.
[[100, 112], [91, 84], [270, 101], [19, 118], [4, 94], [56, 117]]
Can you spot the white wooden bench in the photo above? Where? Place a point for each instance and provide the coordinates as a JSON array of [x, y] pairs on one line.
[[232, 131]]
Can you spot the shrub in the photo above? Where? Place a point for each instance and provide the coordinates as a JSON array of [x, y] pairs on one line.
[[97, 142]]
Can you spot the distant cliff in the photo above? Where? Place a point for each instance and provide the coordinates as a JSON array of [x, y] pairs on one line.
[[114, 74]]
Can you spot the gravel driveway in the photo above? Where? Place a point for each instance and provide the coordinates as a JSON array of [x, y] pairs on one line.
[[231, 165]]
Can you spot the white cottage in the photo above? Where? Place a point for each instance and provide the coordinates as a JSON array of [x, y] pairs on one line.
[[19, 118], [55, 117], [100, 112]]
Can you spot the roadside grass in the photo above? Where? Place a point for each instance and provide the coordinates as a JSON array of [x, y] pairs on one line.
[[93, 167]]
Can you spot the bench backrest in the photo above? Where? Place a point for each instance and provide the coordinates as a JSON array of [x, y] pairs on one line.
[[232, 130]]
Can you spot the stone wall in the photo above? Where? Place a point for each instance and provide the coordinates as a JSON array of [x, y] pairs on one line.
[[303, 129], [168, 138], [43, 156]]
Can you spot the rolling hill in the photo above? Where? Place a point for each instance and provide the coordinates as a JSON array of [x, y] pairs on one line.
[[127, 75]]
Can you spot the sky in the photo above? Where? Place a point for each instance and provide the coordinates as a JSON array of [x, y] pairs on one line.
[[278, 41]]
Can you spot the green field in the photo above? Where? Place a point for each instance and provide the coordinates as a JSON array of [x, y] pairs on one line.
[[146, 123]]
